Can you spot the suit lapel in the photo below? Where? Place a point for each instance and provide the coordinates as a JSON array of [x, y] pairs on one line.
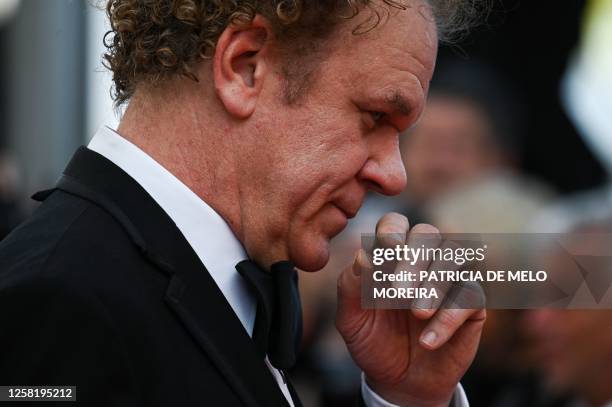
[[192, 293], [198, 302]]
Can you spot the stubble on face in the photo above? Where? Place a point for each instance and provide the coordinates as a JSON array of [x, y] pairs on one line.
[[318, 157]]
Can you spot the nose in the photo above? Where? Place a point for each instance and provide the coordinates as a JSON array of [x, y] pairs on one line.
[[384, 170]]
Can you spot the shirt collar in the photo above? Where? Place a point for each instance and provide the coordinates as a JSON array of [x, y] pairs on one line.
[[204, 229]]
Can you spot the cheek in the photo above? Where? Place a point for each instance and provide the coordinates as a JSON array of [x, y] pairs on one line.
[[320, 151], [330, 163]]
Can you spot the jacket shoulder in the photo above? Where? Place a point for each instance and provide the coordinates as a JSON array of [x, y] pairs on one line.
[[67, 237], [46, 280]]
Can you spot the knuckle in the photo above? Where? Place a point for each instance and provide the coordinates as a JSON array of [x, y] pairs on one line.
[[449, 318]]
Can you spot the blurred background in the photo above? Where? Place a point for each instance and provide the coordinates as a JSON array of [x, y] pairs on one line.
[[54, 94], [516, 137]]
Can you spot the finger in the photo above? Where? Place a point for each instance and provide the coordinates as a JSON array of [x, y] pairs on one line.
[[349, 307], [391, 230], [424, 308], [445, 323], [421, 236]]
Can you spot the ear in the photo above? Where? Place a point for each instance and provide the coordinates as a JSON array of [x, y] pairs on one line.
[[239, 66]]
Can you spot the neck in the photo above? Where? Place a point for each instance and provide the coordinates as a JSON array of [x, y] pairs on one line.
[[177, 129]]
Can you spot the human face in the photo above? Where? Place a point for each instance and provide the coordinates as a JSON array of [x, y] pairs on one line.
[[450, 145], [312, 162]]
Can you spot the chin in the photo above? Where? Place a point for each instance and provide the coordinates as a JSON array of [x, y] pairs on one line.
[[310, 251], [311, 257]]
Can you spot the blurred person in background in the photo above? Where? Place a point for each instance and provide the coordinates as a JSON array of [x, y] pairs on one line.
[[468, 131], [572, 348]]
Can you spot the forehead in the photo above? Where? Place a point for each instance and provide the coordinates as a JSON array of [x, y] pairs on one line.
[[397, 55], [410, 33]]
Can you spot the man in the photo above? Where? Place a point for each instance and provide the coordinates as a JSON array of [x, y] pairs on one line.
[[253, 131]]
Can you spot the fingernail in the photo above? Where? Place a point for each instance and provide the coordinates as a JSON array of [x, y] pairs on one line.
[[429, 338], [424, 304], [393, 239]]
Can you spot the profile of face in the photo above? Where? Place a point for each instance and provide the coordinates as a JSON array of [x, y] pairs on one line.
[[451, 144], [308, 165]]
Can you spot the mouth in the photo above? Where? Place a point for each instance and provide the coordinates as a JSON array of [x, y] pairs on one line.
[[350, 211]]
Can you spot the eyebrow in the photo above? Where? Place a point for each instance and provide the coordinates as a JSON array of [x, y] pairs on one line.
[[399, 102]]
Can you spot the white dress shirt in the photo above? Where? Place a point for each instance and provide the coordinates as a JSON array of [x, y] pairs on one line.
[[207, 233]]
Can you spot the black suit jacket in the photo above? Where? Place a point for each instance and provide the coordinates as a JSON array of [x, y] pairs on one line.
[[100, 290]]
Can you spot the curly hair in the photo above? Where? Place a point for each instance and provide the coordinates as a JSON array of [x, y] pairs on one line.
[[152, 40]]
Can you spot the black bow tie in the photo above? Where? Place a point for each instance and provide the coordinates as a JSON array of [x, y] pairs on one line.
[[278, 324]]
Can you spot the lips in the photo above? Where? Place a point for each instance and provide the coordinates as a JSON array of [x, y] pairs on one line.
[[349, 210]]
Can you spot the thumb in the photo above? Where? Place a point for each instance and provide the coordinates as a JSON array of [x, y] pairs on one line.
[[350, 312]]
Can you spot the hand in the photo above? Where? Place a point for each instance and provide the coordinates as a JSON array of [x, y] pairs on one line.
[[410, 357]]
